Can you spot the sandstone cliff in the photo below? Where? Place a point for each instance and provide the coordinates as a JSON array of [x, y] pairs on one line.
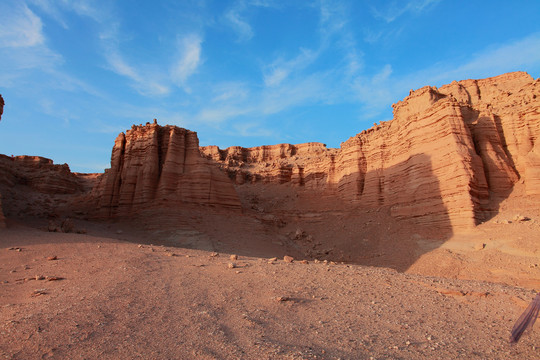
[[160, 166], [443, 160], [33, 185], [2, 217]]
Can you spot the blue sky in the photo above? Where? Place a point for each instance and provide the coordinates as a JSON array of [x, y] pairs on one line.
[[74, 74]]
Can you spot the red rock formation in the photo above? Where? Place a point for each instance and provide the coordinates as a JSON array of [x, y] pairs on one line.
[[439, 161], [30, 185], [2, 103], [160, 166], [2, 217]]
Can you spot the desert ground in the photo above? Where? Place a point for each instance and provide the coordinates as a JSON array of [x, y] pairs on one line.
[[131, 290]]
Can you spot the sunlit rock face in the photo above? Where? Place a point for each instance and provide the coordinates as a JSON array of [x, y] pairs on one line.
[[155, 165], [444, 155]]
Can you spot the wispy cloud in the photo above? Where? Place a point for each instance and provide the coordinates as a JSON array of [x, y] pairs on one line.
[[189, 58], [23, 46], [230, 92], [20, 27], [239, 25], [220, 114], [389, 12], [383, 88], [280, 69], [494, 60]]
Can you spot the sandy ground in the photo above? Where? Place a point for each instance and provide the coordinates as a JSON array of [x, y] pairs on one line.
[[112, 295]]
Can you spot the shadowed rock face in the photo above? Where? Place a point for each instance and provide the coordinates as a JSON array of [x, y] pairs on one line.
[[32, 185], [474, 138], [2, 218], [161, 166], [1, 106]]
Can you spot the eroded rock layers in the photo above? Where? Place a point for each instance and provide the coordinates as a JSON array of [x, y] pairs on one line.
[[156, 165], [28, 182], [445, 154]]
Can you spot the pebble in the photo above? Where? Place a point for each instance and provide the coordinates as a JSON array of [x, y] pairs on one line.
[[234, 257], [231, 265], [288, 259]]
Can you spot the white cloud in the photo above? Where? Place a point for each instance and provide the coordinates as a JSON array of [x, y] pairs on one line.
[[395, 9], [188, 61], [518, 55], [252, 129], [280, 69], [386, 87], [241, 27], [20, 27], [51, 9], [230, 92], [218, 115]]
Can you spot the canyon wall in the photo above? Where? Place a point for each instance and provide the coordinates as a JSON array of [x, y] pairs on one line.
[[2, 217], [33, 185], [439, 162], [160, 166]]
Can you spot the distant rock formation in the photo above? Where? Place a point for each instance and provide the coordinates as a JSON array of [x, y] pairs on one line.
[[445, 154], [2, 103], [2, 217], [446, 160], [29, 183], [160, 166]]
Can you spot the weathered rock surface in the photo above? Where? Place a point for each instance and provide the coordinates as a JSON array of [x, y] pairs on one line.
[[2, 217], [2, 103], [160, 166], [33, 185], [440, 161]]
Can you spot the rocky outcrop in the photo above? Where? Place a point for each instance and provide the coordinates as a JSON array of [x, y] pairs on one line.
[[2, 217], [160, 166], [439, 162], [32, 185], [2, 103]]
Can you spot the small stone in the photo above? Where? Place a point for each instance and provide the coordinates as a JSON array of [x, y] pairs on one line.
[[119, 232], [214, 254], [52, 258], [480, 246], [304, 262], [273, 259], [39, 292], [231, 265], [288, 259], [234, 257], [282, 298]]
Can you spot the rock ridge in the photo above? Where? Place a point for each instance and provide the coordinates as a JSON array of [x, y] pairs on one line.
[[442, 160], [155, 165]]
